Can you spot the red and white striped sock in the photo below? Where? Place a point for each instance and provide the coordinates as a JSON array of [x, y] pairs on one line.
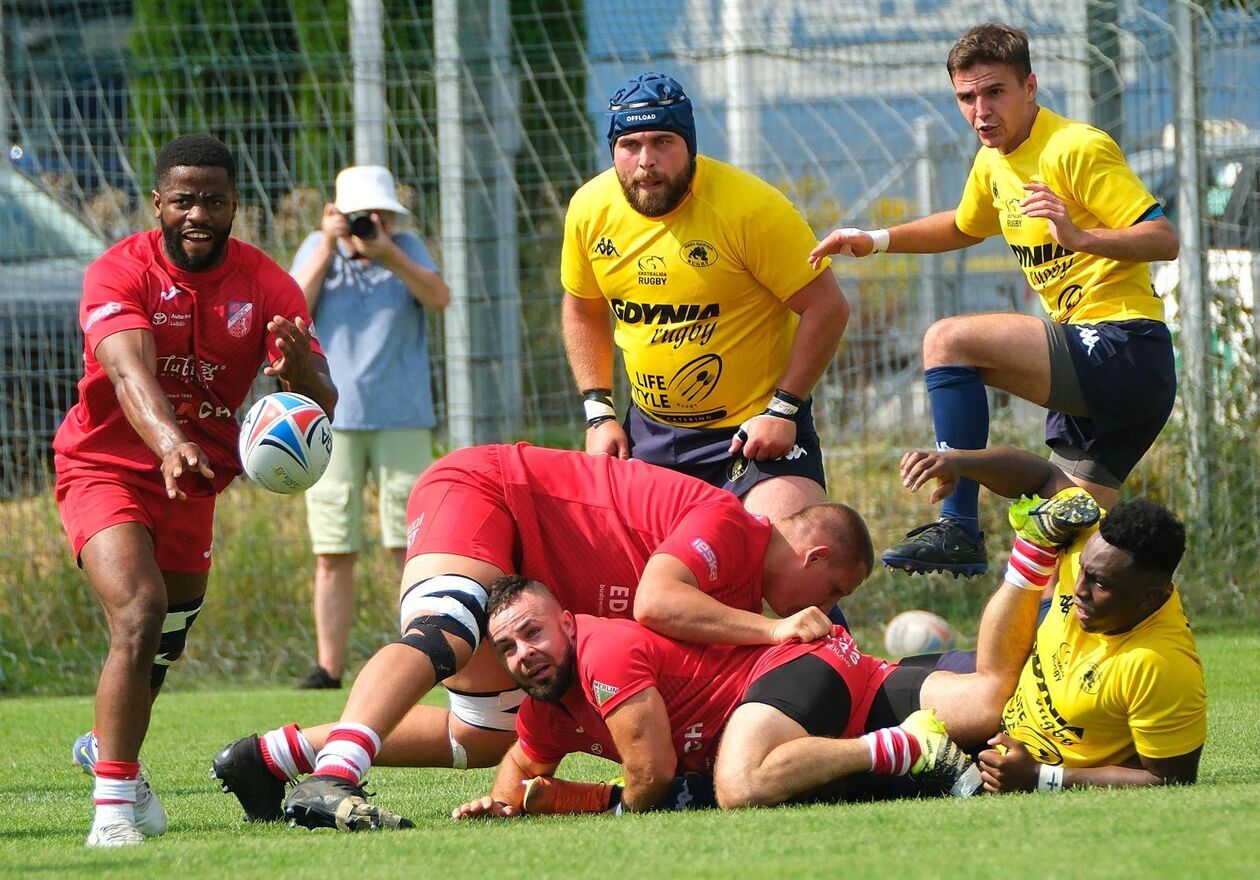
[[115, 791], [1030, 566], [287, 752], [348, 753], [893, 751]]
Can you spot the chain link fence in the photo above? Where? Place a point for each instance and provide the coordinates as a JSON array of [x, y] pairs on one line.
[[846, 107]]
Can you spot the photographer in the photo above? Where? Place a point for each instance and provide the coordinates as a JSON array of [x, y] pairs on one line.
[[367, 287]]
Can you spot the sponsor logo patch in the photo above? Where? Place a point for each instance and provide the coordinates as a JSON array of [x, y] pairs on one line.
[[603, 692], [706, 552], [100, 313]]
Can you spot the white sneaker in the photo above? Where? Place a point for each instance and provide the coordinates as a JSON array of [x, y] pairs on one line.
[[114, 833], [150, 815]]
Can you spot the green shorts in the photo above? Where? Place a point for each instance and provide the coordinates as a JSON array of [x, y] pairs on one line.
[[334, 505]]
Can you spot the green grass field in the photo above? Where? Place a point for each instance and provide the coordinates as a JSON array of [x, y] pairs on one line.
[[1208, 830]]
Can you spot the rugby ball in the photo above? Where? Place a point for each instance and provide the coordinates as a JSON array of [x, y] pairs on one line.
[[918, 632], [285, 442]]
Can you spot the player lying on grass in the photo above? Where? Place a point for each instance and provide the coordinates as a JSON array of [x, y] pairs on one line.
[[1113, 692], [617, 538], [658, 706]]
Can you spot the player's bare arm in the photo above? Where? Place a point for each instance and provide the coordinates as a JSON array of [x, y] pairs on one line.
[[824, 314], [504, 800], [640, 729], [298, 368], [130, 360], [588, 344], [1004, 471], [1009, 766], [669, 601], [934, 234], [1140, 243]]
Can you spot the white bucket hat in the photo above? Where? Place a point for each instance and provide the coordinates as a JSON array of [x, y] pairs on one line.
[[367, 188]]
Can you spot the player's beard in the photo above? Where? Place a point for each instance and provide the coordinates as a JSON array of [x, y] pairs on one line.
[[172, 238], [553, 691], [662, 201]]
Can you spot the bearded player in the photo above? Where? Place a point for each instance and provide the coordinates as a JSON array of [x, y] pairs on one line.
[[176, 322]]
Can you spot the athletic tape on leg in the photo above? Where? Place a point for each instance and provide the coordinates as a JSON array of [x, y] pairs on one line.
[[460, 598], [429, 640], [495, 711], [175, 626]]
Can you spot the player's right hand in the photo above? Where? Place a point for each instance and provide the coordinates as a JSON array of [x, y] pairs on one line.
[[803, 626], [334, 224], [608, 438], [847, 241], [921, 466], [485, 808], [184, 457]]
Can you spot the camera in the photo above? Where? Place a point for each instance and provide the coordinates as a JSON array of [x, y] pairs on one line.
[[361, 225]]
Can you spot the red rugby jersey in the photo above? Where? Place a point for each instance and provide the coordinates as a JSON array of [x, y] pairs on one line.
[[588, 524], [701, 685], [210, 330]]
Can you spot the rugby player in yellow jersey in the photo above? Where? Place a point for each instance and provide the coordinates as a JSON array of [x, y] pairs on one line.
[[1082, 227], [723, 323]]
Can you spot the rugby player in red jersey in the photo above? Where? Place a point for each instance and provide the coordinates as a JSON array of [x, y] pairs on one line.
[[177, 321], [615, 538]]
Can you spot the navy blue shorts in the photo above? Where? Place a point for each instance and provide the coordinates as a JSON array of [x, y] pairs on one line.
[[1128, 381], [701, 452]]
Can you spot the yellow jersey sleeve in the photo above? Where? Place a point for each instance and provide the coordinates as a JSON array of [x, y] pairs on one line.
[[1087, 167], [776, 242], [975, 215], [576, 273], [1167, 702]]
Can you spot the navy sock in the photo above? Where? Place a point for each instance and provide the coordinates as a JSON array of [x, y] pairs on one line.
[[960, 413]]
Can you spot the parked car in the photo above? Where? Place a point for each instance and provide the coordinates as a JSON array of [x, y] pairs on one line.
[[44, 249]]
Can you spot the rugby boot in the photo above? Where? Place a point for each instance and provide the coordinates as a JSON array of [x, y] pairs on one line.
[[939, 546], [241, 771], [150, 814], [548, 796], [1057, 522], [941, 761], [116, 832], [332, 802]]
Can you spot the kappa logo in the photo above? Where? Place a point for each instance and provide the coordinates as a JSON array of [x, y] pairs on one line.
[[795, 453], [603, 692], [605, 247], [699, 253], [169, 294], [1089, 338]]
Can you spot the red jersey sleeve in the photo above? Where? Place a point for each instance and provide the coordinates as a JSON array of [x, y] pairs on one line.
[[536, 734], [113, 299], [282, 296], [614, 663], [724, 546]]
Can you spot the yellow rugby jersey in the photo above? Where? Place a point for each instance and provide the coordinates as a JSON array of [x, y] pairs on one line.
[[698, 294], [1092, 700], [1085, 168]]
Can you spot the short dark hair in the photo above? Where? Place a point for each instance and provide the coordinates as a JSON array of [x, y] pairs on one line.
[[993, 42], [507, 590], [197, 151], [844, 530], [1150, 531]]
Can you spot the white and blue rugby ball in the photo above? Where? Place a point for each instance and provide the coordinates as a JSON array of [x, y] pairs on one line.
[[918, 632], [286, 440]]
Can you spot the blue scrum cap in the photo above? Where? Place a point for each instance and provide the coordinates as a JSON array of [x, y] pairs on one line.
[[651, 102]]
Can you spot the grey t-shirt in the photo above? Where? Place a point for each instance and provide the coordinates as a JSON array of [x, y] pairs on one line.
[[373, 332]]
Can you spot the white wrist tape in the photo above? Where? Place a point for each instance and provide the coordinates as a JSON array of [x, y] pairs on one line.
[[1049, 778], [596, 409], [878, 236]]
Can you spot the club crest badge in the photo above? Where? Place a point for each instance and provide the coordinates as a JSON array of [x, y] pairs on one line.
[[240, 318]]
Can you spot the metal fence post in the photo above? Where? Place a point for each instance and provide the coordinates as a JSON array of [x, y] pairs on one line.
[[367, 61]]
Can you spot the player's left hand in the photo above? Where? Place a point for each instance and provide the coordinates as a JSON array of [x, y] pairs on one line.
[[1007, 766], [293, 340], [920, 466], [485, 808], [764, 437], [1042, 202]]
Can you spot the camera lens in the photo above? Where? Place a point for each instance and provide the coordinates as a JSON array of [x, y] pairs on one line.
[[361, 225]]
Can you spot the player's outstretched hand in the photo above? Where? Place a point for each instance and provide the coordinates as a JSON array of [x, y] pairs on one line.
[[1044, 203], [293, 340], [803, 626], [920, 467], [764, 437], [485, 808], [186, 456], [1007, 766], [848, 241], [608, 438]]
